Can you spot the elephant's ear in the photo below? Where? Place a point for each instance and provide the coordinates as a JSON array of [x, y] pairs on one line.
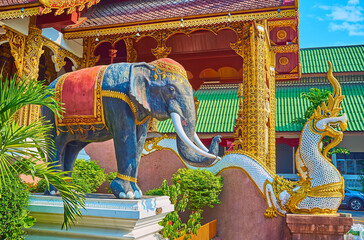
[[140, 74]]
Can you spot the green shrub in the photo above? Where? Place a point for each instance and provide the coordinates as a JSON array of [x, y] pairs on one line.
[[14, 199], [201, 187], [111, 176], [88, 174], [195, 189], [155, 192]]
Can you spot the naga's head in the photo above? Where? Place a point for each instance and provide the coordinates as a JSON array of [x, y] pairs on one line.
[[326, 119]]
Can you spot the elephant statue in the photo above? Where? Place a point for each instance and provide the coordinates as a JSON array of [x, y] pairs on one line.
[[117, 101]]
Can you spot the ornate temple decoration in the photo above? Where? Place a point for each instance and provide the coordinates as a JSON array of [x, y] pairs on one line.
[[253, 120], [283, 38], [33, 51], [27, 12], [17, 46], [62, 5], [161, 51], [60, 54], [26, 51], [238, 45], [130, 31], [270, 65], [131, 53], [285, 48], [89, 59]]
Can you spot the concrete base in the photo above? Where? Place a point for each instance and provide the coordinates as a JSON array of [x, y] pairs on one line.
[[105, 217], [315, 227]]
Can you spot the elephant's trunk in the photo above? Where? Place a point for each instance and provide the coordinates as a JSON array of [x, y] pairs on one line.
[[189, 152]]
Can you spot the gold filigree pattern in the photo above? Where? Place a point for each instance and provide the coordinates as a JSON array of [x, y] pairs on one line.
[[17, 45], [251, 133], [283, 23], [10, 14], [89, 59], [287, 76], [285, 48], [271, 160], [26, 51], [161, 52], [131, 53], [62, 5], [198, 22], [33, 51]]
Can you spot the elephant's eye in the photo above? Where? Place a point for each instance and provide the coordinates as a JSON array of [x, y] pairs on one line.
[[171, 89]]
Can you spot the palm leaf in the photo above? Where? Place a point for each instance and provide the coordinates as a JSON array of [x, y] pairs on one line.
[[24, 149]]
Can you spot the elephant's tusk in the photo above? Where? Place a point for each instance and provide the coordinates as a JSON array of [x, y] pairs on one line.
[[176, 119], [199, 143]]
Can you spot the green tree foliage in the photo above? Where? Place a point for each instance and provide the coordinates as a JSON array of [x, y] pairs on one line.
[[88, 175], [316, 97], [23, 149], [192, 189], [13, 213]]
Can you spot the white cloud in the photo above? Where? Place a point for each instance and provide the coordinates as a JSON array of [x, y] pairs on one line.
[[346, 13], [353, 2], [354, 29], [347, 18]]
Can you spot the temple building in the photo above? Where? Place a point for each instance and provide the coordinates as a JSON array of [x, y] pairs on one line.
[[242, 60], [251, 42], [218, 106]]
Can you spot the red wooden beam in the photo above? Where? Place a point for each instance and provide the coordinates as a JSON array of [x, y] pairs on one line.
[[57, 22]]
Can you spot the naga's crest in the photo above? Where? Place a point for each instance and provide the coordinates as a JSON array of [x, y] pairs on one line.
[[326, 119]]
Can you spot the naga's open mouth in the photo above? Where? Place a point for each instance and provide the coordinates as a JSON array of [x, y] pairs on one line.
[[337, 126]]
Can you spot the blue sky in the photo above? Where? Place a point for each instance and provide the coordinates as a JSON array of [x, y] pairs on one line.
[[326, 23]]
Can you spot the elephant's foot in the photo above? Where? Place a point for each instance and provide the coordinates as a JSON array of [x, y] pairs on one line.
[[125, 189], [51, 191]]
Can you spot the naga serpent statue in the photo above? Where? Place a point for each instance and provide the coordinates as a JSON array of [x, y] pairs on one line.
[[321, 186]]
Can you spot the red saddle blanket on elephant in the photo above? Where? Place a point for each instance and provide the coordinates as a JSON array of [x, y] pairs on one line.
[[80, 92]]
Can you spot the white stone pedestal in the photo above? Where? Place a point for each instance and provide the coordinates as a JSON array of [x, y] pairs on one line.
[[105, 217]]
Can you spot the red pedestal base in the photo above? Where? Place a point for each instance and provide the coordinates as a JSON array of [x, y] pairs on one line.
[[318, 227]]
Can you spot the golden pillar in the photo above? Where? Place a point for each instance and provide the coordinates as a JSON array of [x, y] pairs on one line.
[[251, 124], [26, 51]]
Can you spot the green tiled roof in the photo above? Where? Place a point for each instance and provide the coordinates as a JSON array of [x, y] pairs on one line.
[[216, 112], [344, 59], [218, 107], [290, 106]]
